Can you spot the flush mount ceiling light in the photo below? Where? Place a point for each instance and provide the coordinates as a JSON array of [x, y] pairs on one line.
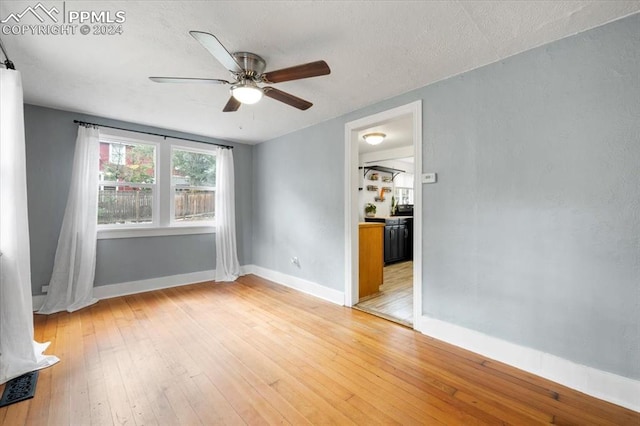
[[374, 138], [247, 92]]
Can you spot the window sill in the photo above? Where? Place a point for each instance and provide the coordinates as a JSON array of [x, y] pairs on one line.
[[113, 233]]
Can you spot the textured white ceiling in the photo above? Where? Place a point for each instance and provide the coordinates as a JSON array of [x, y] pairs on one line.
[[375, 49]]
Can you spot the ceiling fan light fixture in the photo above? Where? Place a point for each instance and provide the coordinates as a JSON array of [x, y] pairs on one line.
[[374, 138], [247, 92]]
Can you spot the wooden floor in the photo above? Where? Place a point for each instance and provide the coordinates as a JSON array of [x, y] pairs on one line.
[[395, 300], [257, 353]]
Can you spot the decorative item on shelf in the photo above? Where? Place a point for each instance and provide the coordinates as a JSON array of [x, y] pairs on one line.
[[387, 179], [381, 196], [386, 189], [372, 188], [379, 199], [370, 210], [374, 176]]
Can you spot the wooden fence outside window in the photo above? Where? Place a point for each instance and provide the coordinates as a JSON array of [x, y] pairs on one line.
[[136, 206]]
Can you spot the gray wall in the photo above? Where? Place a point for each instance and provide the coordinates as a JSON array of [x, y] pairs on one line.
[[299, 204], [50, 142], [532, 233]]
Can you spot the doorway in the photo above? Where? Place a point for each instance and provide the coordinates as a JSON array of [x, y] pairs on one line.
[[399, 298]]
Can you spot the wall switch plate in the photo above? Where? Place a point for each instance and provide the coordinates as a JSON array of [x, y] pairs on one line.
[[429, 177]]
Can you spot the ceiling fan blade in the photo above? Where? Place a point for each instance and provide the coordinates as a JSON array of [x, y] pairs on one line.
[[232, 105], [312, 69], [213, 45], [188, 80], [287, 98]]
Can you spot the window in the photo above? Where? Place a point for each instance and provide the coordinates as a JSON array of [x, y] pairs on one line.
[[127, 183], [404, 195], [403, 190], [193, 185], [151, 186]]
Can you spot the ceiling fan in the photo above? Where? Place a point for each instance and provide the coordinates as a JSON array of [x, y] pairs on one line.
[[248, 70]]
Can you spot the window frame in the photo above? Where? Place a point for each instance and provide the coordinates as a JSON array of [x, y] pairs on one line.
[[163, 208], [172, 220]]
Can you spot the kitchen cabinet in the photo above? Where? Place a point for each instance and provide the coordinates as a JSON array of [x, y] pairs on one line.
[[397, 241], [398, 238], [371, 236]]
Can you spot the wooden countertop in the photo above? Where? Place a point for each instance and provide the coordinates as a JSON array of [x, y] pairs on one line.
[[370, 224]]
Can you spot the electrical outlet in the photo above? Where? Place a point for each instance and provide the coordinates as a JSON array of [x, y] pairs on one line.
[[295, 261]]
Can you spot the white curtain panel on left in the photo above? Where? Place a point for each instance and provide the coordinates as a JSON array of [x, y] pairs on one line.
[[19, 354], [74, 267]]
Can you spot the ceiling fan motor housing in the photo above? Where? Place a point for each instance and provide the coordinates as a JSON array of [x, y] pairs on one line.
[[253, 65]]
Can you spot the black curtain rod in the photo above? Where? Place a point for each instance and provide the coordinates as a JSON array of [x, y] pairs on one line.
[[7, 62], [150, 133]]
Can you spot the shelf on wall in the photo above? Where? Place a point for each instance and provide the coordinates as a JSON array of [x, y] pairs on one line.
[[392, 171]]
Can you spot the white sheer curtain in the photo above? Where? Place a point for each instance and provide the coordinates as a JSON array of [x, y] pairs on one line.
[[227, 266], [71, 285], [19, 354]]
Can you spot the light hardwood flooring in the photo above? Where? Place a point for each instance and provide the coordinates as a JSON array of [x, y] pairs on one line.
[[254, 352], [395, 299]]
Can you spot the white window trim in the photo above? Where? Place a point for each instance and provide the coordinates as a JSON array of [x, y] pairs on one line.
[[112, 233], [162, 224]]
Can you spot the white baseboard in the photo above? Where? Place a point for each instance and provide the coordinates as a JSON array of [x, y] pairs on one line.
[[309, 287], [141, 286], [600, 384], [37, 301], [132, 287]]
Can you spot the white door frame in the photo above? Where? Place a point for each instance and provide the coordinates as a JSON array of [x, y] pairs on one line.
[[352, 183]]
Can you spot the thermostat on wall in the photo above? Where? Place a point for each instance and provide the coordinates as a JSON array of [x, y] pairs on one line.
[[429, 177]]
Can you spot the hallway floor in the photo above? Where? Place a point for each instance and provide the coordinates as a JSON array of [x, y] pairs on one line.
[[395, 300]]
